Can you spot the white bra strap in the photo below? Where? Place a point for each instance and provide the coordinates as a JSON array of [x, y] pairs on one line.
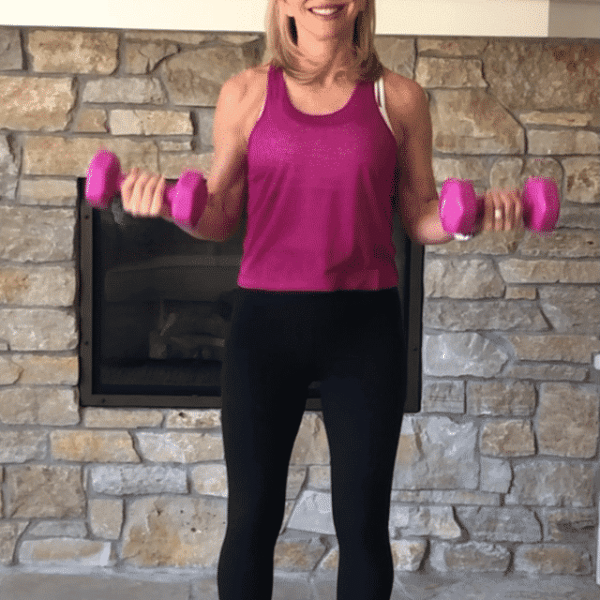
[[380, 97]]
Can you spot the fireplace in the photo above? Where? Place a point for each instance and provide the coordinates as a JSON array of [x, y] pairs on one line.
[[156, 305]]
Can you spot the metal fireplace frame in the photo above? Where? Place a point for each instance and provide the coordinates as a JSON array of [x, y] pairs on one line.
[[90, 395]]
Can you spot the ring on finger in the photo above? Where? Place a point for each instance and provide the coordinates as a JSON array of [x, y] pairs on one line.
[[498, 214]]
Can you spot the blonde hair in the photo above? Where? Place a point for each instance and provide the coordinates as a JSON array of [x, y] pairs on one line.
[[282, 46]]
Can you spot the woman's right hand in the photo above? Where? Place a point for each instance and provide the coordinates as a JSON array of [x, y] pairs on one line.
[[143, 194]]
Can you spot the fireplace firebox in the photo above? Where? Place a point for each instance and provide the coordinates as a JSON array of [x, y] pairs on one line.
[[155, 305]]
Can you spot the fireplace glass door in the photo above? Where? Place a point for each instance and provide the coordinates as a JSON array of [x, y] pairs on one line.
[[156, 306]]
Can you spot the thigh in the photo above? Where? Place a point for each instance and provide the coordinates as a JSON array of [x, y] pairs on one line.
[[263, 397], [363, 403]]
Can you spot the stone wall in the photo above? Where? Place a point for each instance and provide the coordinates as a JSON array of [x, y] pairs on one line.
[[497, 473]]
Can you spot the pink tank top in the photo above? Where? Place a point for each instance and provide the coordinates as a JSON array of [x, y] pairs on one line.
[[319, 196]]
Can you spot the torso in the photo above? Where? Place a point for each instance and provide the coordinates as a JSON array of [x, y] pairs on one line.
[[307, 100]]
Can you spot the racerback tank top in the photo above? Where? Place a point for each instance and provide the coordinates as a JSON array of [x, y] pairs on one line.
[[319, 209]]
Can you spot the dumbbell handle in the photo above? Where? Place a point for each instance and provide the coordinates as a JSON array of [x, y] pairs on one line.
[[461, 210], [185, 200]]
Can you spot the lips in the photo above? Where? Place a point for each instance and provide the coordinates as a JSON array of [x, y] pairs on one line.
[[327, 10]]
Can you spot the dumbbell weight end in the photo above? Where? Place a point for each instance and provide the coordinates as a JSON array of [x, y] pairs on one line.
[[104, 179], [459, 207], [541, 204]]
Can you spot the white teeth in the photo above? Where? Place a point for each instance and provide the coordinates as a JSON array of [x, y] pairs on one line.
[[325, 12]]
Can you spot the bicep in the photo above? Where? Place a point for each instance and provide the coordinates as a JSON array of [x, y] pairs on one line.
[[416, 179], [227, 180]]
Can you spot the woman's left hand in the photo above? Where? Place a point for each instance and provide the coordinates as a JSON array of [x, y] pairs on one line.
[[503, 210]]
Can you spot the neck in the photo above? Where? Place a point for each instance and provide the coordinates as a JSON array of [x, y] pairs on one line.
[[334, 55]]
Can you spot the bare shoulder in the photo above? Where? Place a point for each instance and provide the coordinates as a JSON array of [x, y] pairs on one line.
[[406, 100], [242, 96]]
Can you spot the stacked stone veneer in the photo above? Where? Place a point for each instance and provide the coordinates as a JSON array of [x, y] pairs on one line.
[[497, 473]]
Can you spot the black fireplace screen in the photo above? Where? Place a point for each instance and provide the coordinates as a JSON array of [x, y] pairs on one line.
[[156, 304]]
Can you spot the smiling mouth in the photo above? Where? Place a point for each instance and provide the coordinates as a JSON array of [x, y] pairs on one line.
[[326, 11]]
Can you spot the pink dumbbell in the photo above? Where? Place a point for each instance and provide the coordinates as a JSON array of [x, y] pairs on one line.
[[461, 210], [186, 199]]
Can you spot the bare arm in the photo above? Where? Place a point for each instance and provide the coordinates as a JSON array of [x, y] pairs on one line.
[[418, 197], [142, 193]]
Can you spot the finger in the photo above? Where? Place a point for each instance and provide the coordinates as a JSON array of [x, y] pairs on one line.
[[127, 187], [148, 195], [488, 222], [137, 198], [156, 208]]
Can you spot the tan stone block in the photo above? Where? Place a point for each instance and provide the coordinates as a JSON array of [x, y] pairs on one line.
[[177, 37], [130, 90], [506, 398], [436, 521], [66, 551], [558, 119], [91, 120], [458, 278], [104, 418], [475, 168], [569, 70], [572, 309], [583, 179], [331, 560], [443, 396], [48, 236], [9, 536], [106, 518], [195, 77], [436, 453], [64, 51], [568, 420], [471, 121], [93, 446], [48, 192], [36, 103], [11, 54], [495, 524], [493, 243], [210, 480], [570, 525], [311, 446], [9, 169], [397, 54], [141, 57], [71, 156], [174, 532], [44, 491], [549, 559], [521, 292], [22, 445], [547, 372], [298, 553], [508, 438], [295, 481], [22, 405], [449, 73], [451, 46], [172, 165], [515, 270], [472, 556], [150, 122], [550, 483], [408, 555], [509, 173], [38, 329], [10, 372], [565, 348], [180, 447], [193, 419], [37, 286], [319, 478], [544, 142]]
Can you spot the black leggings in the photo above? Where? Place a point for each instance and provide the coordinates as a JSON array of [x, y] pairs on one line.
[[278, 344]]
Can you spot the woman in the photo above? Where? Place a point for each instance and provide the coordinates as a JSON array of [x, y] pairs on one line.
[[303, 146]]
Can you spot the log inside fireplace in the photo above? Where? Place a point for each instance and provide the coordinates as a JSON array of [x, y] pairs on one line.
[[156, 305]]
